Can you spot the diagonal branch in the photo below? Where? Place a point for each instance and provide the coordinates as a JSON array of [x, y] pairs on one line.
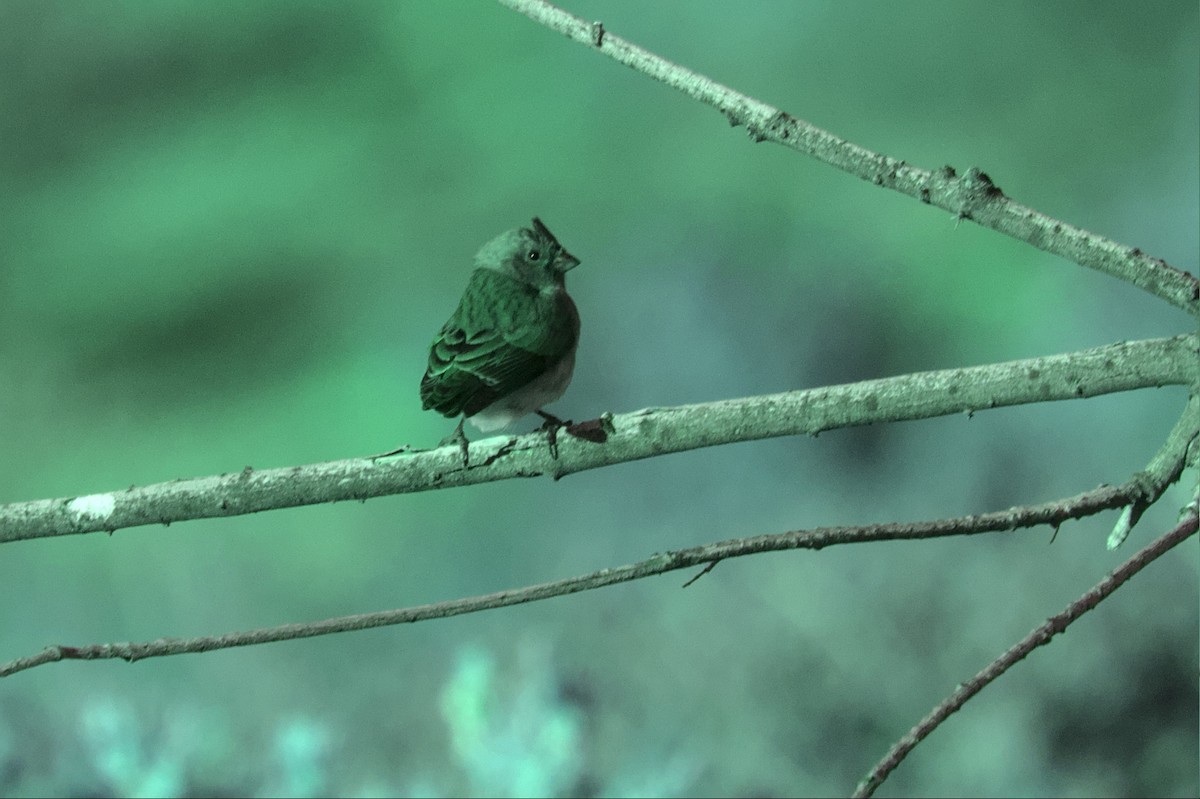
[[629, 436], [1039, 636], [1163, 469], [969, 196]]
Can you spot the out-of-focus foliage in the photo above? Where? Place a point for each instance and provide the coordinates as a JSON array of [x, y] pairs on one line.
[[229, 230]]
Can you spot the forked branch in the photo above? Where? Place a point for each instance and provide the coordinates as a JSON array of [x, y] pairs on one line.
[[1161, 472], [1039, 636]]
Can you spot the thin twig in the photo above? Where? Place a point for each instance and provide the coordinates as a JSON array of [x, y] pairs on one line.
[[1041, 635], [629, 436], [972, 195], [701, 573], [1053, 513]]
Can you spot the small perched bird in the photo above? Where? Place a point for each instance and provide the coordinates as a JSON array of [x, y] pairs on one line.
[[509, 347]]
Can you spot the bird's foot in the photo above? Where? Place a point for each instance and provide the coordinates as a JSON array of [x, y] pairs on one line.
[[457, 437], [551, 425], [551, 419]]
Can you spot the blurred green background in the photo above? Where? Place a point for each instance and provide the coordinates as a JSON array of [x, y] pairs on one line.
[[228, 232]]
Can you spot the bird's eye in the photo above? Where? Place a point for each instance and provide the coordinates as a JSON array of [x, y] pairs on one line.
[[533, 255]]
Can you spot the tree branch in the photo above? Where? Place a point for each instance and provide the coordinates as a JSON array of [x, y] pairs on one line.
[[1163, 469], [629, 436], [1039, 636], [970, 196]]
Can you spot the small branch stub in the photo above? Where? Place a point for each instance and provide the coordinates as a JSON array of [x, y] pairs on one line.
[[1121, 529]]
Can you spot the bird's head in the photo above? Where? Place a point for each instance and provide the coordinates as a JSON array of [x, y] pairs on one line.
[[530, 254]]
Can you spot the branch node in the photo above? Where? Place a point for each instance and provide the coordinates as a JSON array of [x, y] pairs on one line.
[[974, 189], [711, 565], [782, 124], [982, 181], [597, 33]]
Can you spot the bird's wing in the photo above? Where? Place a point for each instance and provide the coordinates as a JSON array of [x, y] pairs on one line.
[[501, 336]]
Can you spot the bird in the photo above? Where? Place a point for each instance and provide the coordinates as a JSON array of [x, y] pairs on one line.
[[509, 347]]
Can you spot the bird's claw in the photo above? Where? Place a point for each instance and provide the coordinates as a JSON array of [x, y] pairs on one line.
[[551, 425], [457, 437]]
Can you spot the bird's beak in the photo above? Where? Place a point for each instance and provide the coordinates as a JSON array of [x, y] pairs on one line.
[[565, 262]]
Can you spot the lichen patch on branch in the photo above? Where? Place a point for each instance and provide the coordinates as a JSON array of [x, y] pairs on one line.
[[93, 506]]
